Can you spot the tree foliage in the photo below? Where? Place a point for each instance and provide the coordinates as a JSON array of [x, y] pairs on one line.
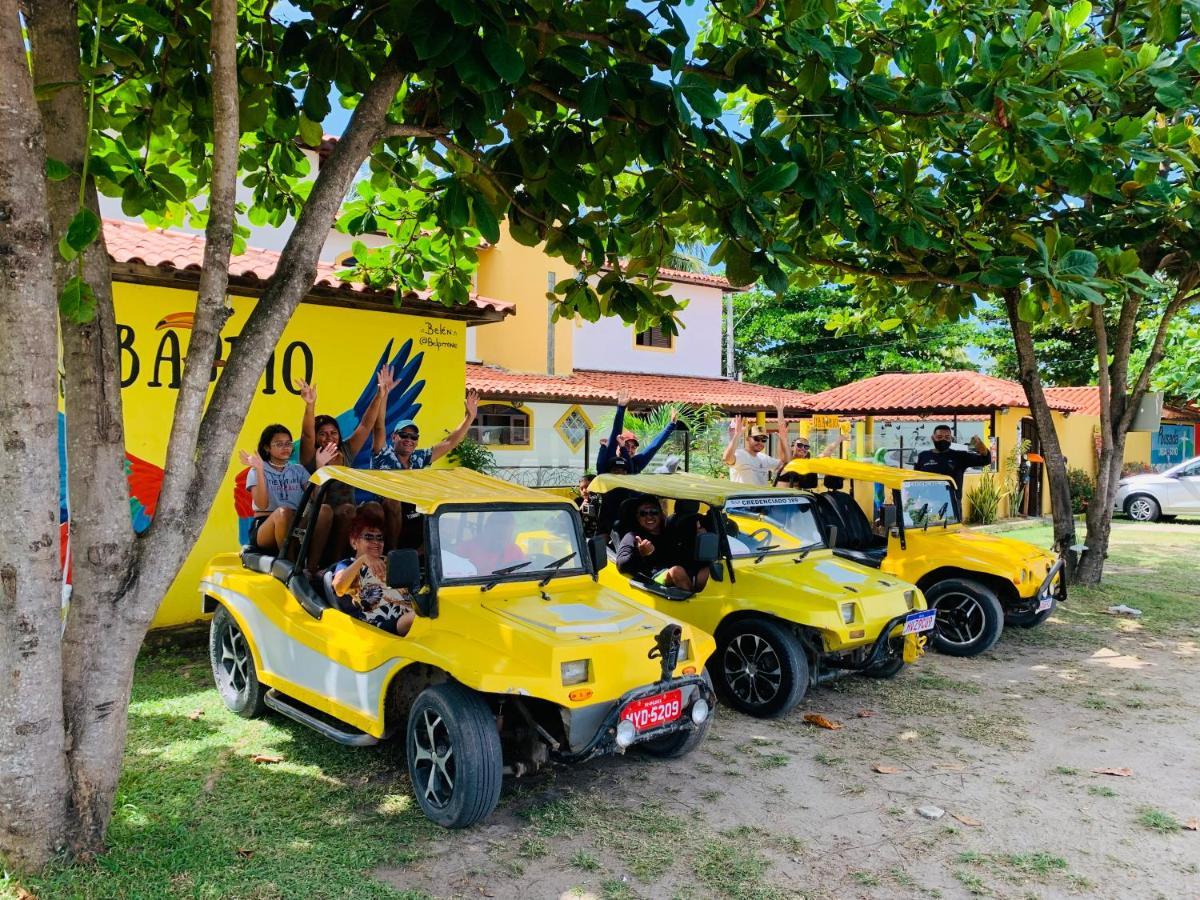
[[791, 341]]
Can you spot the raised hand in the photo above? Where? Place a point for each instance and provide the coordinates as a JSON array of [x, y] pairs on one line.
[[253, 460], [623, 397], [308, 392], [385, 379], [472, 404], [779, 411], [735, 426], [978, 443], [644, 547], [326, 453]]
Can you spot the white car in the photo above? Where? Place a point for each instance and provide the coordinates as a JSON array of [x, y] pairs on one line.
[[1161, 495]]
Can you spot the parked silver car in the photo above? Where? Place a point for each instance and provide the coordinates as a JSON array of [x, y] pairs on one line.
[[1162, 495]]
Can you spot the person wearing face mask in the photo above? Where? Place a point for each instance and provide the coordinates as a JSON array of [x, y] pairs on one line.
[[944, 461]]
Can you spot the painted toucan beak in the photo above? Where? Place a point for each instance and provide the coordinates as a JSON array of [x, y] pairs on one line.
[[181, 320], [176, 320]]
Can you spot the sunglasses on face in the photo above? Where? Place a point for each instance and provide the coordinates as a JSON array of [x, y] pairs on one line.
[[649, 513], [758, 440], [373, 538], [408, 436], [800, 446]]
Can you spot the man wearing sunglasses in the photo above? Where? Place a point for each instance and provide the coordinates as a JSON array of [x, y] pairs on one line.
[[403, 452], [624, 444], [751, 464]]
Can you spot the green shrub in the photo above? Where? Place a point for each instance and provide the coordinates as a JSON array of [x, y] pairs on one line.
[[1083, 489], [984, 499], [471, 454]]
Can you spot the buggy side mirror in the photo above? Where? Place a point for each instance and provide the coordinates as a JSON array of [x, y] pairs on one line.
[[708, 547], [598, 551], [404, 570], [889, 516]]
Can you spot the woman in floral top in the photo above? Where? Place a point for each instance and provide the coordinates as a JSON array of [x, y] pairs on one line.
[[361, 582]]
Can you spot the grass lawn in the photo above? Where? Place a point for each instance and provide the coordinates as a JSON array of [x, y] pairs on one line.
[[197, 816], [1153, 568]]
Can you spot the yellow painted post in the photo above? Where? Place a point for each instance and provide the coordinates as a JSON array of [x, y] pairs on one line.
[[869, 434]]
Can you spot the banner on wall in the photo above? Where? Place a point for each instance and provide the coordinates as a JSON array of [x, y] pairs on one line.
[[1171, 445], [337, 349]]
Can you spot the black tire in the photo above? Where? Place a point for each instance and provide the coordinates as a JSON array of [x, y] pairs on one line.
[[759, 667], [454, 757], [970, 617], [887, 669], [233, 667], [1143, 508]]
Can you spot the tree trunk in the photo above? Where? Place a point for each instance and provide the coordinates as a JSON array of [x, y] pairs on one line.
[[97, 656], [125, 578], [1121, 406], [33, 766], [1056, 465]]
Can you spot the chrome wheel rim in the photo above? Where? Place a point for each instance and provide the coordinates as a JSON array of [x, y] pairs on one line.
[[752, 669], [234, 662], [960, 618], [433, 760], [1141, 509]]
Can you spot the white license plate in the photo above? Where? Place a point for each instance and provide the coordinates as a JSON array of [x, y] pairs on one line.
[[1045, 603], [922, 620]]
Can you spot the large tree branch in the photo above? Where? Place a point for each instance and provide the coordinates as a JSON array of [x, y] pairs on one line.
[[293, 278], [1184, 296], [210, 313], [923, 277]]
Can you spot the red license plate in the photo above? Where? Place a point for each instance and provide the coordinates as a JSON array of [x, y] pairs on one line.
[[650, 712]]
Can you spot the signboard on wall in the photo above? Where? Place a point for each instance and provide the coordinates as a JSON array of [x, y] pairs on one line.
[[824, 422], [1171, 445]]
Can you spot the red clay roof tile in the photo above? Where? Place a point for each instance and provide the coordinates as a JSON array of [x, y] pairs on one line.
[[1087, 399], [134, 243], [586, 385], [928, 392]]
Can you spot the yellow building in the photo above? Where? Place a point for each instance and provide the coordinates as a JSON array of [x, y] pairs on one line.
[[337, 339]]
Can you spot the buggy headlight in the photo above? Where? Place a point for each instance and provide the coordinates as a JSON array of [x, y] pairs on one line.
[[685, 650], [847, 613], [575, 671], [910, 599]]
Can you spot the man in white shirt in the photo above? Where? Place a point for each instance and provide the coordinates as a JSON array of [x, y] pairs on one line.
[[751, 464]]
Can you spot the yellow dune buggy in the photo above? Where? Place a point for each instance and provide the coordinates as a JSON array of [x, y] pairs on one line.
[[976, 582], [504, 669], [785, 611]]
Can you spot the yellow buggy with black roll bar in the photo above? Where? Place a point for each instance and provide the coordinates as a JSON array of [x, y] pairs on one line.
[[786, 612], [977, 582], [504, 669]]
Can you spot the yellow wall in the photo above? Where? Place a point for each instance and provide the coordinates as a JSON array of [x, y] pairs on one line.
[[343, 346], [517, 274]]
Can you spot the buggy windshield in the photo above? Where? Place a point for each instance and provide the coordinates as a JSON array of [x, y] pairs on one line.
[[928, 503], [508, 542], [774, 524]]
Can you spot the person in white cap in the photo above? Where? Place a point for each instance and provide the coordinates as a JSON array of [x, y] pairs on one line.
[[751, 464]]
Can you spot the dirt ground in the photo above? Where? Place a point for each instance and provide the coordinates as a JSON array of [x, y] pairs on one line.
[[1007, 745]]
